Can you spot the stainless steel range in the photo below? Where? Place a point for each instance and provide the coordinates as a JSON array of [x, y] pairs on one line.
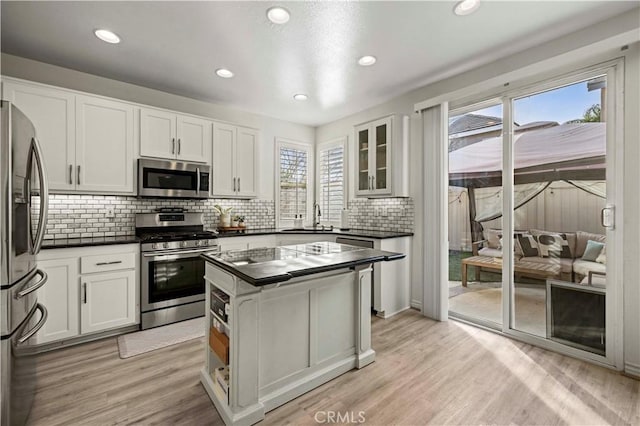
[[172, 271]]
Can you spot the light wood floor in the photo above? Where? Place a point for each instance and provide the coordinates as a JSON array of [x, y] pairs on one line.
[[425, 372]]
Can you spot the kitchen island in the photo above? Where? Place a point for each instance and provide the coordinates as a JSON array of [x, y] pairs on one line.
[[284, 320]]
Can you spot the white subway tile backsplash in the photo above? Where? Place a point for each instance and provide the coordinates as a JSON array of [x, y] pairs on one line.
[[74, 216], [384, 214]]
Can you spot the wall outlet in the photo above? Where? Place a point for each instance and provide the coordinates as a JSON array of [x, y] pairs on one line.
[[111, 214], [385, 212], [269, 211]]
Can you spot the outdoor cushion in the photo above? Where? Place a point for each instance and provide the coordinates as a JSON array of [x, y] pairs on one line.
[[491, 252], [592, 251], [602, 257], [581, 241], [583, 267], [493, 238], [566, 265], [553, 245], [569, 236], [528, 245]]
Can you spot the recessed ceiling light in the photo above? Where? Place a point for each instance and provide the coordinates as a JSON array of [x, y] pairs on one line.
[[108, 36], [366, 61], [300, 97], [466, 7], [278, 15], [224, 73]]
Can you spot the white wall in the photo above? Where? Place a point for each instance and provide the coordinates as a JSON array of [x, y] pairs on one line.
[[270, 128], [583, 48]]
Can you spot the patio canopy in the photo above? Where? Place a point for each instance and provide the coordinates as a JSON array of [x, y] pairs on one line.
[[571, 152]]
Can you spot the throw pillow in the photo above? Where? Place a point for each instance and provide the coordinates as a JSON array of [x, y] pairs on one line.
[[528, 245], [493, 238], [592, 251], [553, 245], [602, 257]]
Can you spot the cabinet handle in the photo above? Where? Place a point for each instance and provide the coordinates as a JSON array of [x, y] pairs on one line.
[[373, 183], [238, 184], [78, 175], [369, 183], [234, 184], [173, 145], [84, 291], [113, 262], [70, 174], [178, 146]]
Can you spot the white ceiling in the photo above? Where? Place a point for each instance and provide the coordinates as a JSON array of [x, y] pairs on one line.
[[176, 46]]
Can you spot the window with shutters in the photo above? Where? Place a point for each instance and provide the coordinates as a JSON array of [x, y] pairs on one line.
[[295, 196], [330, 188]]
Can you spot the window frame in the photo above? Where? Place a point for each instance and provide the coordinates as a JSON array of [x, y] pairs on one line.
[[341, 142], [308, 148]]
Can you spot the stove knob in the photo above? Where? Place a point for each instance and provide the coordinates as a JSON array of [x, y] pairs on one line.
[[184, 243], [202, 242], [165, 245], [154, 246]]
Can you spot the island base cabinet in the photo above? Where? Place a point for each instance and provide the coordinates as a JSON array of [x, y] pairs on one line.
[[285, 340]]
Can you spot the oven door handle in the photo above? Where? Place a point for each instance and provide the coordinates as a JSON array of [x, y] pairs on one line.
[[177, 254]]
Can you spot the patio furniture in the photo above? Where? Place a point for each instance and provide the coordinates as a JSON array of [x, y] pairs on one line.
[[526, 268]]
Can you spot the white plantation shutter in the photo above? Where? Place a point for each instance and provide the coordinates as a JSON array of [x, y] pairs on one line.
[[331, 180], [294, 184]]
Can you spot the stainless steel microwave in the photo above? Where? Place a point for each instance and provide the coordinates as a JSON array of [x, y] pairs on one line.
[[173, 179]]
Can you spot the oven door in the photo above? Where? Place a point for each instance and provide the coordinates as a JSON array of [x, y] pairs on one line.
[[157, 178], [172, 278]]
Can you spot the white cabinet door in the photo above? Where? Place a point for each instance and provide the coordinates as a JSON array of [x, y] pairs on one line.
[[108, 300], [224, 181], [373, 157], [157, 133], [104, 145], [247, 162], [52, 113], [194, 139], [60, 296], [380, 160]]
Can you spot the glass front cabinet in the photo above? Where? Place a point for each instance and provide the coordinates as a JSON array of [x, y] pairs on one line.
[[374, 157]]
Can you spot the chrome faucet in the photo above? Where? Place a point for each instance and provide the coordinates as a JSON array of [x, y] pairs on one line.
[[316, 214]]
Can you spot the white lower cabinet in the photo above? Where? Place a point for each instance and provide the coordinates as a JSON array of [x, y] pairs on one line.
[[60, 296], [89, 290], [108, 301]]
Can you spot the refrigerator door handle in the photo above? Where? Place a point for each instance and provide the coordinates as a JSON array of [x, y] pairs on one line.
[[29, 334], [27, 290], [44, 195]]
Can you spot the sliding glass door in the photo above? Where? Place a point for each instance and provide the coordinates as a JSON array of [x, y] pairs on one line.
[[543, 272]]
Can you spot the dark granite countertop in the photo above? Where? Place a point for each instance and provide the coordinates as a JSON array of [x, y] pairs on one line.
[[277, 264], [363, 233], [88, 241]]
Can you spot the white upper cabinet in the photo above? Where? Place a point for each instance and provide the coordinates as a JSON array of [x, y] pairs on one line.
[[235, 161], [52, 112], [381, 161], [164, 134], [157, 133], [104, 136], [79, 135]]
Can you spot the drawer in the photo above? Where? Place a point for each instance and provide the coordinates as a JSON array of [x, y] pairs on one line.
[[107, 262]]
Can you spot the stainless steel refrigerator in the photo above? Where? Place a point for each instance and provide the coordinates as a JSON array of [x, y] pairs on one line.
[[22, 175]]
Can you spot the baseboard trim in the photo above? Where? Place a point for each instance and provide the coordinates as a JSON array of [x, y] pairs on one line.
[[65, 343], [415, 304], [632, 369], [384, 315]]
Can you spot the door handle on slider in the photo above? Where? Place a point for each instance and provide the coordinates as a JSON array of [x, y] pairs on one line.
[[607, 217]]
